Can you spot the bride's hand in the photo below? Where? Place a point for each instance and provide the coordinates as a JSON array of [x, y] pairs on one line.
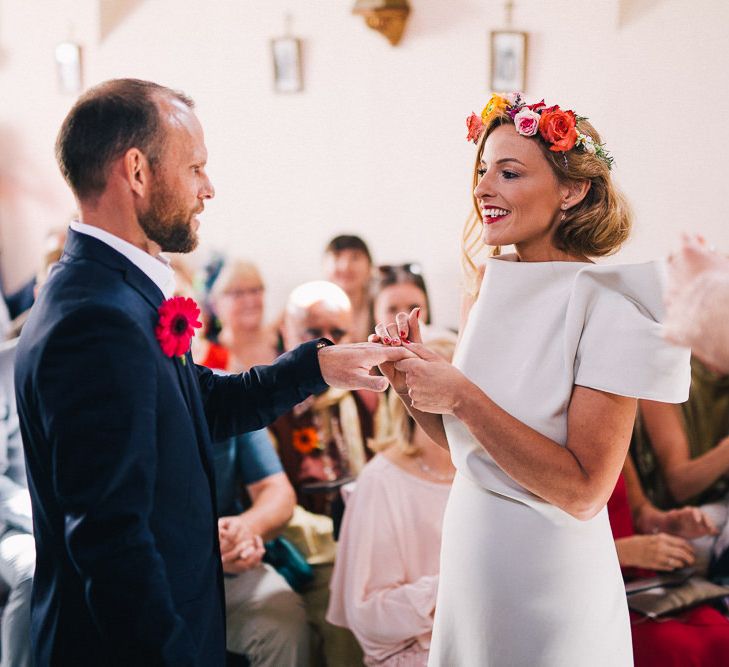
[[434, 384], [404, 330]]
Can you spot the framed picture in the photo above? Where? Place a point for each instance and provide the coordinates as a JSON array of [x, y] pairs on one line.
[[287, 76], [508, 61]]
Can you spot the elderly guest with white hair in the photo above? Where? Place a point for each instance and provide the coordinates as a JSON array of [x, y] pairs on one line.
[[322, 444]]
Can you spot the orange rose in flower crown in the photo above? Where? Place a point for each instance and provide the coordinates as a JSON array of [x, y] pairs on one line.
[[558, 128]]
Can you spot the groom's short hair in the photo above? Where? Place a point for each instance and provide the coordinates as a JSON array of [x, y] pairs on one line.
[[104, 123]]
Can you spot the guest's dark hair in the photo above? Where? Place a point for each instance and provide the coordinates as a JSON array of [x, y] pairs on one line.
[[104, 123], [348, 242], [397, 274]]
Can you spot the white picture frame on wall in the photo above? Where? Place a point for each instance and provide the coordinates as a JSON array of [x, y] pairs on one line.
[[68, 68], [508, 61], [287, 76]]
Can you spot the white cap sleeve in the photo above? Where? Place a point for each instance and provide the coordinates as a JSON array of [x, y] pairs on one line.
[[620, 348]]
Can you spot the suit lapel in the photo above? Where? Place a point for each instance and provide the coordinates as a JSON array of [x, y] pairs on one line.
[[192, 391]]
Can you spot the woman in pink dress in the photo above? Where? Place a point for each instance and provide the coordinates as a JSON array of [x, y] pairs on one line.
[[386, 576]]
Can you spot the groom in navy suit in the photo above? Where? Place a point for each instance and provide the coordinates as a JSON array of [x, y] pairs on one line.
[[117, 433]]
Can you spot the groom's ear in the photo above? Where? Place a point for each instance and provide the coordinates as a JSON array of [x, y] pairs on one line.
[[136, 172]]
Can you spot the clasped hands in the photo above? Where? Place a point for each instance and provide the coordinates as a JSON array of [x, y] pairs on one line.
[[423, 378], [240, 548]]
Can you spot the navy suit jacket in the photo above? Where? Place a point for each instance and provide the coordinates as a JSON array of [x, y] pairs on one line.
[[117, 439]]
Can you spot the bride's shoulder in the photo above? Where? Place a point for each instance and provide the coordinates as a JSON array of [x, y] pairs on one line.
[[640, 284]]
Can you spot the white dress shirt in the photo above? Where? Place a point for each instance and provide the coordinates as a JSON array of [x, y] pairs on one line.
[[157, 269]]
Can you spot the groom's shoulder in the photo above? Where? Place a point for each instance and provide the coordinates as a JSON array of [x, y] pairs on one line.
[[84, 285], [80, 298]]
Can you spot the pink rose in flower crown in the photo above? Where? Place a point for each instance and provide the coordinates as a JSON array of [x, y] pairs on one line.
[[526, 122], [475, 128]]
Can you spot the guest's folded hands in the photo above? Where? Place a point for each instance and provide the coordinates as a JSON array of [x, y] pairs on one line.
[[240, 549]]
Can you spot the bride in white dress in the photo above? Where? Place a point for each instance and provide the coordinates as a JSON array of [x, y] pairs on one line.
[[538, 405]]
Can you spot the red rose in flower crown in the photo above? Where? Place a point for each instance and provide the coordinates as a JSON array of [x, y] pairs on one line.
[[475, 128], [177, 324], [558, 128]]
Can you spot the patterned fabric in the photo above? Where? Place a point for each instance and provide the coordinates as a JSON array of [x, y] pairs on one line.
[[322, 442]]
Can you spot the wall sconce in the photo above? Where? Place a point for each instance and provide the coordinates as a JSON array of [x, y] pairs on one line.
[[385, 16]]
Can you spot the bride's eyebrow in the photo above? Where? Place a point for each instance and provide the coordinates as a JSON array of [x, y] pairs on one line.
[[510, 159]]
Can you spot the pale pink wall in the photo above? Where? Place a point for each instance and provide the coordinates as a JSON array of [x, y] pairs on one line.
[[375, 144]]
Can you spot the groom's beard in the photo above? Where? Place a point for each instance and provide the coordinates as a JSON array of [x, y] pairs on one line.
[[167, 222]]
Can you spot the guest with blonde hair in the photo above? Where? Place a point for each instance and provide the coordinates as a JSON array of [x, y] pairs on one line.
[[244, 341]]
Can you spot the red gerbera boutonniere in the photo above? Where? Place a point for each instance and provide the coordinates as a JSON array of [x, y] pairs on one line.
[[176, 326]]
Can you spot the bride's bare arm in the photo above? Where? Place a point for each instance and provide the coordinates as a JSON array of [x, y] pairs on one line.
[[577, 478]]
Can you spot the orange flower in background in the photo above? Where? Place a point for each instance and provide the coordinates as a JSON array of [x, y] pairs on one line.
[[495, 104], [558, 128], [305, 440]]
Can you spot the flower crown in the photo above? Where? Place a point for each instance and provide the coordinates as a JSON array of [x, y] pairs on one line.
[[556, 127]]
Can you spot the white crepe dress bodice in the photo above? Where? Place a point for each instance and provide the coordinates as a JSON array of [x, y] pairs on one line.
[[522, 581]]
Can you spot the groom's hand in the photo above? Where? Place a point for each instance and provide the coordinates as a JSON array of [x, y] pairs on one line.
[[349, 366]]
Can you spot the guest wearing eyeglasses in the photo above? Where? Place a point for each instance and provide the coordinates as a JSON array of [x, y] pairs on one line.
[[322, 444], [244, 340], [348, 263]]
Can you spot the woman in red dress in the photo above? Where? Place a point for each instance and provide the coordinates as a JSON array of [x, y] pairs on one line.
[[698, 636]]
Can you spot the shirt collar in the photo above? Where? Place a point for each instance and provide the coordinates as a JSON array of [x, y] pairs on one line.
[[157, 269]]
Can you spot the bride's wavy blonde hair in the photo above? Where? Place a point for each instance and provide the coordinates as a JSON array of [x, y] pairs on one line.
[[596, 227]]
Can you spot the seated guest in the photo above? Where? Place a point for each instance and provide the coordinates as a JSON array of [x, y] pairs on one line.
[[17, 547], [243, 341], [401, 288], [322, 444], [698, 636], [20, 302], [265, 619], [323, 439], [348, 263], [386, 575], [682, 453]]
